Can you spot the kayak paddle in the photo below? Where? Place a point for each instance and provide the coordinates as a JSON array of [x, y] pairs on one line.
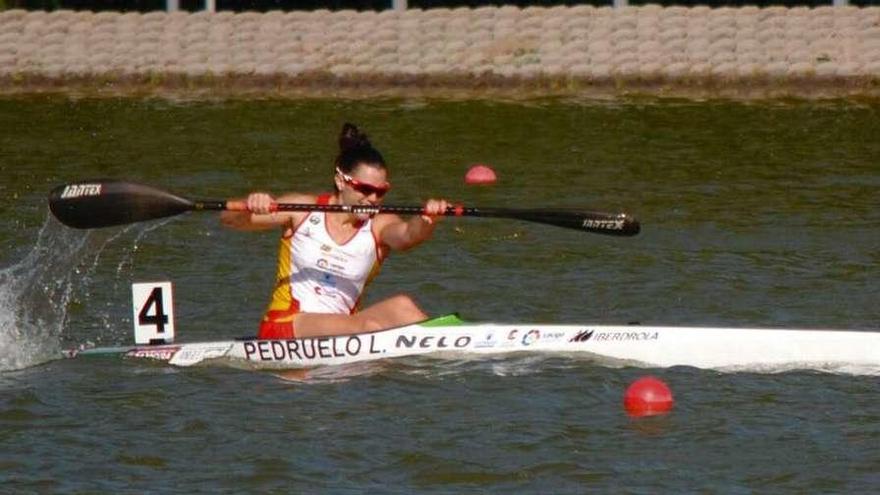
[[104, 203]]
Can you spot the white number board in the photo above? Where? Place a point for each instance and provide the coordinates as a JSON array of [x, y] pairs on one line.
[[153, 306]]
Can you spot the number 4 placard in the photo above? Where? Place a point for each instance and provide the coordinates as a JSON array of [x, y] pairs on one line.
[[153, 307]]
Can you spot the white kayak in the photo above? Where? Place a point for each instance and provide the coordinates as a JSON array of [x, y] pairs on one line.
[[723, 349]]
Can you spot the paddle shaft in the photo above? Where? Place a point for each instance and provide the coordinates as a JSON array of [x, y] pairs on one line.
[[602, 223]]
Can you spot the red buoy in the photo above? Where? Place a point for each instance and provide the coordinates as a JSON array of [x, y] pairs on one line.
[[647, 396], [480, 174]]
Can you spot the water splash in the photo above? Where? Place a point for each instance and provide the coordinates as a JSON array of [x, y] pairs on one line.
[[36, 294]]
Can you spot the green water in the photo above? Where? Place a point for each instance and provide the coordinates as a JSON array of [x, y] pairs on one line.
[[759, 214]]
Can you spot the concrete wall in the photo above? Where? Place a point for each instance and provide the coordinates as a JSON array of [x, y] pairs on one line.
[[827, 51]]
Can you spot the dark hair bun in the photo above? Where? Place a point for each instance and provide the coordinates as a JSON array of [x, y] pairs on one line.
[[355, 148], [351, 138]]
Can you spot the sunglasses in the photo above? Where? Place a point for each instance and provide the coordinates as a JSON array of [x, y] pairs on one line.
[[363, 187]]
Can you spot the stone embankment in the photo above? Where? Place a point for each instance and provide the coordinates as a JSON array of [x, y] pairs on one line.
[[583, 50]]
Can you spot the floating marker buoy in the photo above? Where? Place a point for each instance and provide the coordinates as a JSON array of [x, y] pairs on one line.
[[480, 174], [647, 396]]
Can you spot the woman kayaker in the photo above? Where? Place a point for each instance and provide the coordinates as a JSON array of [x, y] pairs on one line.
[[326, 259]]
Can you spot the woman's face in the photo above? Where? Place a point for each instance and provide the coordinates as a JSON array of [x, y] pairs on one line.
[[364, 185]]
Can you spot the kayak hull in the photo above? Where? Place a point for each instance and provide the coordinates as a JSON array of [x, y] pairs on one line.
[[748, 349]]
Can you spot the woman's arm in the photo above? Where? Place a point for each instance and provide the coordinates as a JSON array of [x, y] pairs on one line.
[[258, 215], [400, 235]]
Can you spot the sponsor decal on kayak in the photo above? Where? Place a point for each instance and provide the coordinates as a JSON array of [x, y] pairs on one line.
[[530, 337], [552, 336], [582, 336], [432, 342], [546, 336], [487, 341], [80, 190], [510, 339], [309, 349], [621, 336], [196, 354], [163, 353]]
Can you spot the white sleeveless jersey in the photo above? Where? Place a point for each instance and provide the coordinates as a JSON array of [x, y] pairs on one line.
[[317, 275]]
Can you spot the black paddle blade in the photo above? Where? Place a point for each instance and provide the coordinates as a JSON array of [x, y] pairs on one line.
[[617, 224], [104, 203]]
